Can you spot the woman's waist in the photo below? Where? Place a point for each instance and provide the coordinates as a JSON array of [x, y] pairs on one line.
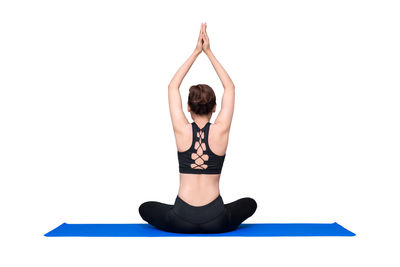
[[198, 196], [197, 189]]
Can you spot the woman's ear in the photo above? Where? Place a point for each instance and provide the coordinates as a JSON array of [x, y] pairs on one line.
[[214, 108], [188, 108]]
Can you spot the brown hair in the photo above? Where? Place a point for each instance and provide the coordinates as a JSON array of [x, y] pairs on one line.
[[201, 99]]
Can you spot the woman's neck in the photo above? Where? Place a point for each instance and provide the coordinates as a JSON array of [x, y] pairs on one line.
[[201, 121]]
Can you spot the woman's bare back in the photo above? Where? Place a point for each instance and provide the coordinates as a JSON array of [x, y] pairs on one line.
[[200, 189]]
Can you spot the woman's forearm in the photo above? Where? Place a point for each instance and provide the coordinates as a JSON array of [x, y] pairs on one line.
[[222, 74], [183, 70]]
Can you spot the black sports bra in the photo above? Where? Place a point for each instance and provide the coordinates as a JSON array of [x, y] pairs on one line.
[[199, 158]]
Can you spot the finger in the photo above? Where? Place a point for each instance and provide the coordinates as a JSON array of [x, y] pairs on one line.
[[203, 37]]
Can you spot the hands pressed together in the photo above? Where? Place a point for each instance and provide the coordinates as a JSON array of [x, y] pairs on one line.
[[203, 43]]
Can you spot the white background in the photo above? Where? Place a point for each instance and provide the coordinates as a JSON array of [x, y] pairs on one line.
[[86, 137]]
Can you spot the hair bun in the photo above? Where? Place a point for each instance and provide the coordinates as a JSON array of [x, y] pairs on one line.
[[201, 99]]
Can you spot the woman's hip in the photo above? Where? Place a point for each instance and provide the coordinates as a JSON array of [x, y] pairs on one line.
[[198, 214]]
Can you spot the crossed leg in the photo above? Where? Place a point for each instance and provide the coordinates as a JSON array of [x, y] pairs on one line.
[[240, 210], [161, 215]]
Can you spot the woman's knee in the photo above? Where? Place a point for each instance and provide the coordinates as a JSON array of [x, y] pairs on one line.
[[252, 204], [151, 211], [144, 210], [242, 209]]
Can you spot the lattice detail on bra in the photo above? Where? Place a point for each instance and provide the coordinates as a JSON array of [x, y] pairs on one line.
[[199, 157]]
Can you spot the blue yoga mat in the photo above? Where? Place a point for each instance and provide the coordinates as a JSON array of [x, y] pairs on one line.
[[254, 229]]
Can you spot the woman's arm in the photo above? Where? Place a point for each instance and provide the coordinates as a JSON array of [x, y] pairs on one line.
[[183, 70], [178, 118], [224, 118]]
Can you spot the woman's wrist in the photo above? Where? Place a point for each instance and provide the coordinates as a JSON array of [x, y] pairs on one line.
[[208, 52], [197, 52]]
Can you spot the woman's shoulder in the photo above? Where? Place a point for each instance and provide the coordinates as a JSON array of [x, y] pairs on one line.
[[218, 139], [219, 129]]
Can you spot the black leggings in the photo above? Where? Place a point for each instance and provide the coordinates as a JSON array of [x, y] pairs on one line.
[[214, 217]]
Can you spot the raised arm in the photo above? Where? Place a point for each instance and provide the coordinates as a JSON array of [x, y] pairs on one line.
[[178, 118], [224, 118]]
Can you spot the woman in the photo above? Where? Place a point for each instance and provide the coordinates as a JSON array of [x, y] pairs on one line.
[[199, 207]]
